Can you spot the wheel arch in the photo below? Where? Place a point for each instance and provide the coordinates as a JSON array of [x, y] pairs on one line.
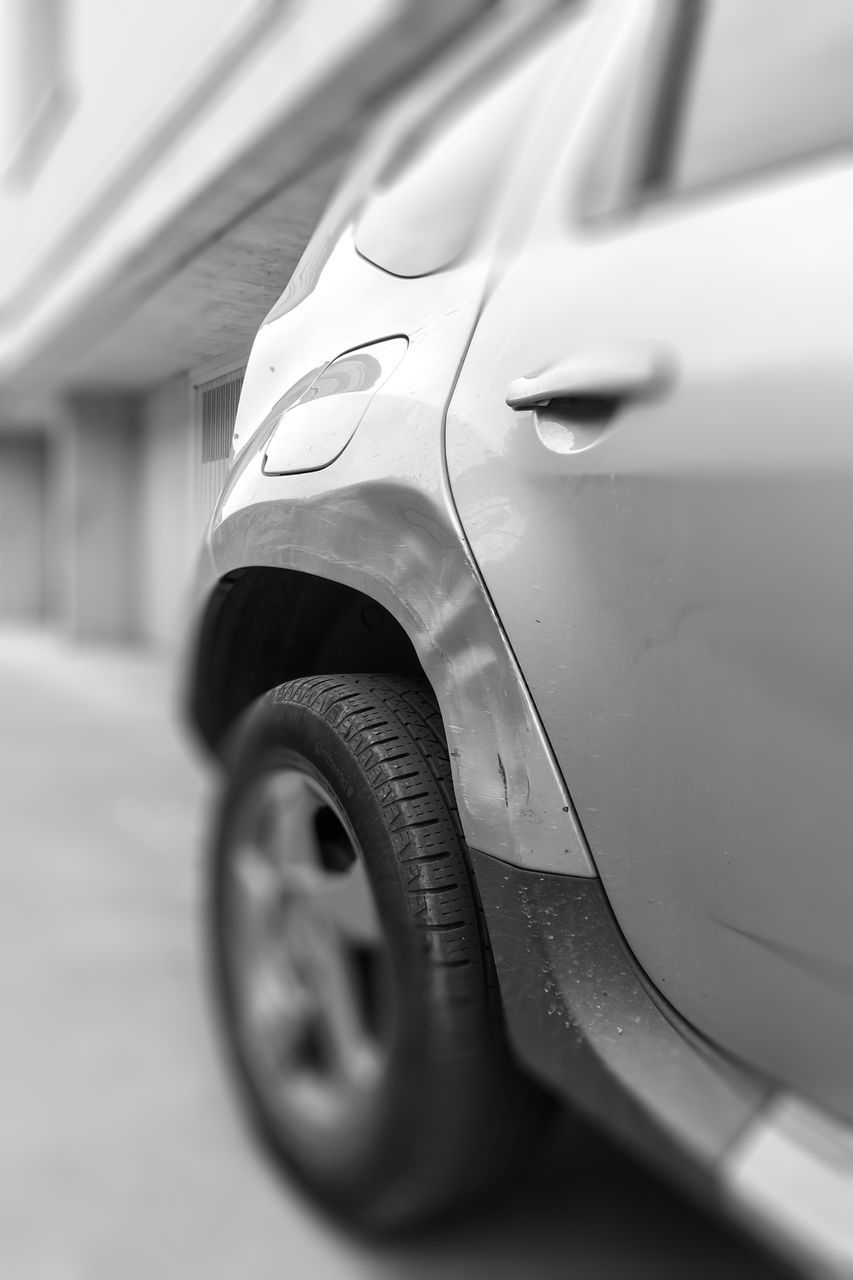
[[295, 610], [263, 625]]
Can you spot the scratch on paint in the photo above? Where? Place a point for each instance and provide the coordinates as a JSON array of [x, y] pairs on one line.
[[503, 780]]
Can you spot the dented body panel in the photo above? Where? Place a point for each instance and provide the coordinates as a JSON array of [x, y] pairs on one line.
[[391, 532], [601, 604]]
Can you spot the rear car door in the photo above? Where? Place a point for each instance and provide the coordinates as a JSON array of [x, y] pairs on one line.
[[664, 519]]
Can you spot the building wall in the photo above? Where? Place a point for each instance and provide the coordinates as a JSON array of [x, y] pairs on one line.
[[98, 545], [23, 489], [156, 103], [102, 516], [114, 70], [163, 164], [102, 519], [169, 536], [183, 465]]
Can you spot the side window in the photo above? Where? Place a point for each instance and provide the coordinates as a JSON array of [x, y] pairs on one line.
[[426, 209], [766, 84]]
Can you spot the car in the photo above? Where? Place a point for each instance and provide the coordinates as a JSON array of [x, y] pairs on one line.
[[523, 631]]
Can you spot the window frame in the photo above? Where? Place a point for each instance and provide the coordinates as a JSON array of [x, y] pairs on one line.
[[643, 136], [488, 71], [642, 182]]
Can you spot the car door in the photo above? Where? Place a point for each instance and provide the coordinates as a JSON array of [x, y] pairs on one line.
[[664, 513]]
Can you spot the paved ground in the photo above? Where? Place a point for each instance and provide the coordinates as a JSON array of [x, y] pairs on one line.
[[121, 1154]]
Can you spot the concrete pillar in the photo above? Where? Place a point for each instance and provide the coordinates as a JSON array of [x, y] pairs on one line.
[[23, 487], [170, 541], [98, 456]]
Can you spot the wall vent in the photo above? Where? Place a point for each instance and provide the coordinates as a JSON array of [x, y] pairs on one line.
[[216, 412]]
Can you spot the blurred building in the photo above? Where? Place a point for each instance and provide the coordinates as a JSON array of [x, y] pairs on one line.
[[162, 165]]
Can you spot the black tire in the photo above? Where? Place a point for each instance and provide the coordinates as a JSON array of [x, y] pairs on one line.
[[453, 1111]]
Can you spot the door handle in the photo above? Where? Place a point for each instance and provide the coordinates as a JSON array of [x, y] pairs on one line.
[[606, 375]]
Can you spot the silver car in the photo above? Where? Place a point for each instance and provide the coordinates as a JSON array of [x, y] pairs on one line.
[[524, 629]]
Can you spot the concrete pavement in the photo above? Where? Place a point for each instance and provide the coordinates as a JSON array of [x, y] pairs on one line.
[[122, 1155]]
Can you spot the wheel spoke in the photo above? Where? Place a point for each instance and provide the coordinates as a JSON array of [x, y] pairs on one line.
[[255, 877], [288, 812], [341, 1016], [304, 913], [277, 1010], [346, 899]]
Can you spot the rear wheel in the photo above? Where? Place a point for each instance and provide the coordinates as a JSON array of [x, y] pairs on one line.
[[355, 988]]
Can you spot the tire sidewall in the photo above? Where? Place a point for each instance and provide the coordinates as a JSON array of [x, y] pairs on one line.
[[277, 733]]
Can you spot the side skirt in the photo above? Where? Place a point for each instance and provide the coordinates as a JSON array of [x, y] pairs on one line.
[[582, 1016]]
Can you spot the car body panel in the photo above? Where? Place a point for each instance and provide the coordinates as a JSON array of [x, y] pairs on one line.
[[380, 519], [314, 431], [789, 1175], [677, 585], [580, 1011], [651, 607]]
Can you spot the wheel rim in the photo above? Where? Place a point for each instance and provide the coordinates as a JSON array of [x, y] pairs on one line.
[[307, 969]]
